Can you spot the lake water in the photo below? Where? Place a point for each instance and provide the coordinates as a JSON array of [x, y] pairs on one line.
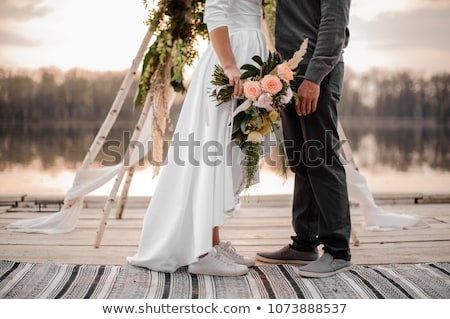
[[43, 160]]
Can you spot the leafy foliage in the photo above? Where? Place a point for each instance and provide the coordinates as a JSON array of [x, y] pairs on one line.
[[177, 24]]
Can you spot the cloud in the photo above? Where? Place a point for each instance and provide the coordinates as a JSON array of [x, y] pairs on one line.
[[22, 9], [13, 15], [431, 3], [424, 27], [11, 38]]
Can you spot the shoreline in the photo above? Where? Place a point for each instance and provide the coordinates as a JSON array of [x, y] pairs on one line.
[[390, 123]]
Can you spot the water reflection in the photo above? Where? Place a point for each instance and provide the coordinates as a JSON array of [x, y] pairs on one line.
[[401, 149], [47, 144]]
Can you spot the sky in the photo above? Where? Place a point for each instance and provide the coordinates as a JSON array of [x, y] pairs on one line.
[[106, 34]]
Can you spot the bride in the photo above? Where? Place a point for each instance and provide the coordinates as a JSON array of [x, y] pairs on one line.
[[198, 187]]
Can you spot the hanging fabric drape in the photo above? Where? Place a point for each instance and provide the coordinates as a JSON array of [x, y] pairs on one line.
[[86, 180]]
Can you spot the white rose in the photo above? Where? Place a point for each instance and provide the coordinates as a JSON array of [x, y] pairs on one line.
[[285, 99]]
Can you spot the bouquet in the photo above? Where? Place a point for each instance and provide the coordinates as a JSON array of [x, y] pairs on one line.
[[267, 90]]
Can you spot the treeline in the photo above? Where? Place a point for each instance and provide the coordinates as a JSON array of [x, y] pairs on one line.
[[402, 94], [50, 95]]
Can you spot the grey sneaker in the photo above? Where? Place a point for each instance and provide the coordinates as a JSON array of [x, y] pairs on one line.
[[325, 266], [229, 251], [215, 264], [288, 255]]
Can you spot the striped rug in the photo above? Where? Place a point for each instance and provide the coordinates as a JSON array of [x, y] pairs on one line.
[[52, 281]]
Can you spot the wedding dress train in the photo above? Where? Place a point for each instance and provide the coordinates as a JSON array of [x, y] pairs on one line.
[[375, 217]]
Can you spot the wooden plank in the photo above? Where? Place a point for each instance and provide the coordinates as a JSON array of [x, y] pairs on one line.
[[397, 198], [12, 199], [255, 228], [15, 196], [132, 202], [370, 255], [107, 255], [78, 237], [274, 200], [435, 199], [4, 209], [121, 235], [86, 214]]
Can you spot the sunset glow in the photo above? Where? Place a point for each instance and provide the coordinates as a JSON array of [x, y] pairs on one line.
[[104, 34]]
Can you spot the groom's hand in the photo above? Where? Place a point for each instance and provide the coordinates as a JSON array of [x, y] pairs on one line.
[[308, 95]]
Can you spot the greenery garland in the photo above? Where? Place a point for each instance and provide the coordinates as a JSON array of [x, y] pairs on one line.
[[177, 24]]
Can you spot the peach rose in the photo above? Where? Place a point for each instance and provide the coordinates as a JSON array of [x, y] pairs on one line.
[[252, 90], [271, 84], [284, 72]]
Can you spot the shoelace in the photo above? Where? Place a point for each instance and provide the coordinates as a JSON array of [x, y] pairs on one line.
[[230, 249], [222, 259]]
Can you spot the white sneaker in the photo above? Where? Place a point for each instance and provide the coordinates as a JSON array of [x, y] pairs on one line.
[[214, 264], [229, 251]]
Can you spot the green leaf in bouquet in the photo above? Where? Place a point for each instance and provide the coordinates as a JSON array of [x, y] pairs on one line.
[[219, 76], [244, 124], [239, 118], [271, 63], [258, 60], [255, 113], [223, 94], [250, 71]]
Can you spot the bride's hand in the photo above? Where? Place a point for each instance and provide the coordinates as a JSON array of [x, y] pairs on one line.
[[221, 43], [234, 74]]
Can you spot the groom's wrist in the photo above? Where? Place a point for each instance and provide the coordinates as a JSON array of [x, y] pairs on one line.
[[315, 74]]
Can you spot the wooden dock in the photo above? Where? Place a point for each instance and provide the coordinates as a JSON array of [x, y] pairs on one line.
[[261, 224]]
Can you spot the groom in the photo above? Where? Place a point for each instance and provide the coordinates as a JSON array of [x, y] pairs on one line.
[[320, 211]]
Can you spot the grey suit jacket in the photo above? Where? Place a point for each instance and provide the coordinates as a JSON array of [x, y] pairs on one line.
[[323, 22]]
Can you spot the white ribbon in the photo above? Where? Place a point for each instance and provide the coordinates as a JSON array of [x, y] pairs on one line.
[[234, 110]]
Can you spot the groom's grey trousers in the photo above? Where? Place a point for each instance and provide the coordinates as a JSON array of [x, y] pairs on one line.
[[320, 212]]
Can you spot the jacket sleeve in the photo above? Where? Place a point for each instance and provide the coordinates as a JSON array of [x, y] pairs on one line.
[[331, 39], [216, 13]]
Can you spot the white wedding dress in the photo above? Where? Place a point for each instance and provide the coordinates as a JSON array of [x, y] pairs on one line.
[[200, 183]]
